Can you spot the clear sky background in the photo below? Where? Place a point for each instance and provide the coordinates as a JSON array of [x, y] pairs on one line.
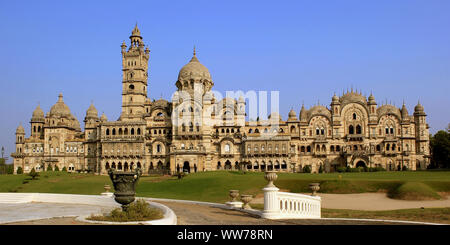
[[307, 50]]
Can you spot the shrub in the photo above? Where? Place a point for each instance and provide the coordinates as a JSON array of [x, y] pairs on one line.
[[341, 169], [348, 168], [139, 210], [33, 174], [405, 168], [320, 169], [56, 168], [307, 169], [49, 168], [19, 170], [64, 169]]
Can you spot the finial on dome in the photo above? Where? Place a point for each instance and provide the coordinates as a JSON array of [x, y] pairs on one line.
[[60, 97], [194, 51]]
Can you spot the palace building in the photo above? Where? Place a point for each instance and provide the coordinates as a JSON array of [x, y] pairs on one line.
[[197, 132]]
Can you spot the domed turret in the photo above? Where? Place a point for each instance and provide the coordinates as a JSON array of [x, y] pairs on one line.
[[292, 115], [335, 99], [372, 99], [92, 112], [418, 108], [352, 97], [38, 115], [20, 130]]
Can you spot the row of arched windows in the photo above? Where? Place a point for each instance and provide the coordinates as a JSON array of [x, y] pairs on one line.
[[269, 166], [121, 131], [37, 129], [256, 148], [124, 167], [256, 131], [223, 131]]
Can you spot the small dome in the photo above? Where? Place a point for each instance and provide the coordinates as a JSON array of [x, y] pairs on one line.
[[38, 114], [335, 98], [194, 70], [60, 109], [371, 98], [418, 108], [292, 114], [20, 130], [92, 112]]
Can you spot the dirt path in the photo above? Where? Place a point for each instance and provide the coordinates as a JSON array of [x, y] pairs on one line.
[[371, 202], [195, 214]]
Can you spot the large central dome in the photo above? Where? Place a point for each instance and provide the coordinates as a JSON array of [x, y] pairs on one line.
[[194, 70], [60, 109]]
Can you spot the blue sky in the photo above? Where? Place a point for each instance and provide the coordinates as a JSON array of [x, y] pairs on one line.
[[307, 50]]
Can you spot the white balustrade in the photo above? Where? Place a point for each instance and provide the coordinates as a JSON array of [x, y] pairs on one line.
[[285, 205]]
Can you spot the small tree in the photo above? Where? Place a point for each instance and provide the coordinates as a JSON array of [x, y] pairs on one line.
[[33, 174], [19, 170], [49, 167], [56, 168], [64, 169], [320, 169], [10, 169]]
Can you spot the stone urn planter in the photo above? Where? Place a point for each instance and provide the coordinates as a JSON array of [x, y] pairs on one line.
[[234, 194], [107, 188], [125, 186], [246, 199], [270, 176], [315, 187]]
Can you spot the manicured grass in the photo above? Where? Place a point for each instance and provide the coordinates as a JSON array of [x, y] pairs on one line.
[[213, 186]]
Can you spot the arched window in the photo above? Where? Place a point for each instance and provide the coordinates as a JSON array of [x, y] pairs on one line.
[[358, 129], [107, 131], [317, 131], [132, 131], [338, 148], [332, 148], [139, 131], [354, 116], [120, 131], [302, 149], [250, 131], [125, 131], [322, 131], [158, 148], [256, 131], [350, 129], [114, 131], [227, 148], [392, 130], [191, 126], [308, 148]]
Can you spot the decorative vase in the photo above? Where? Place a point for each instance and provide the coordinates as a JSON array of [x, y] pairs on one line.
[[246, 199], [315, 187], [125, 186], [270, 176], [234, 194]]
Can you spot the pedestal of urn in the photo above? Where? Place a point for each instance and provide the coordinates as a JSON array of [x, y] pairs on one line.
[[234, 203], [125, 186]]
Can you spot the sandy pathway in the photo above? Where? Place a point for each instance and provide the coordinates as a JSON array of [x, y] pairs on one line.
[[371, 201]]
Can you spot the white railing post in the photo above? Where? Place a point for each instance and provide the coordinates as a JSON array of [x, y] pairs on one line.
[[271, 203]]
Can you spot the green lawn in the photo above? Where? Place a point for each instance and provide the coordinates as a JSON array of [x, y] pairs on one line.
[[214, 186]]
